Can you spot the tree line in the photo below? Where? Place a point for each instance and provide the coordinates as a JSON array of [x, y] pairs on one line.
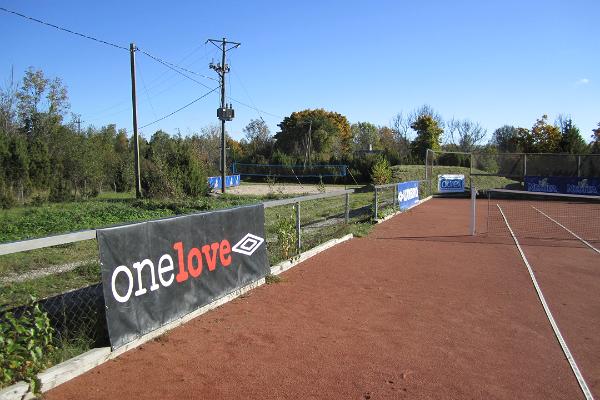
[[45, 156]]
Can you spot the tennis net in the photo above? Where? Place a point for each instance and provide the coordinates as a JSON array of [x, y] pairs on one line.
[[544, 215]]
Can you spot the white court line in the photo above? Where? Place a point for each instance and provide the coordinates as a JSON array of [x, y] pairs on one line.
[[567, 229], [584, 387]]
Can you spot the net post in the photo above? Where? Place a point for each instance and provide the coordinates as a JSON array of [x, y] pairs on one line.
[[347, 210], [298, 240], [473, 207]]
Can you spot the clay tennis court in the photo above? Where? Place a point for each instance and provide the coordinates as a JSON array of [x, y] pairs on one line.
[[418, 309]]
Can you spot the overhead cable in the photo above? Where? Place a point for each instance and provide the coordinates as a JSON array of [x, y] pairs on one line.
[[181, 108], [65, 29]]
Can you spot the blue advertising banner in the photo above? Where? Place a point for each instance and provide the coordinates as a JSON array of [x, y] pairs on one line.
[[230, 180], [408, 194], [451, 183], [561, 184]]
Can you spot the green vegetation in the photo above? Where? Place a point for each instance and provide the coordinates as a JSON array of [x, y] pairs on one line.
[[271, 279], [381, 172], [18, 293], [25, 343], [37, 221]]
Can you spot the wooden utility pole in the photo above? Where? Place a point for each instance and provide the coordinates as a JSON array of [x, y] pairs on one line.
[[136, 140], [225, 112]]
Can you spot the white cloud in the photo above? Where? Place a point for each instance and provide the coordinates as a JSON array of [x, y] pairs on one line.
[[583, 81]]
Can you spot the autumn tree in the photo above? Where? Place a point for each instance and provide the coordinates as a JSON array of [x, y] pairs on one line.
[[312, 136], [546, 138]]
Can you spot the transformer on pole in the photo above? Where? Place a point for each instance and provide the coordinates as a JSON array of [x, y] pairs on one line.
[[225, 112]]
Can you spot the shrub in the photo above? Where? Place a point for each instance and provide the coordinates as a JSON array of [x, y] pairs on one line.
[[381, 173], [25, 343]]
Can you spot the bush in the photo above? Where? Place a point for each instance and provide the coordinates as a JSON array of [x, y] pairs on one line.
[[25, 344], [157, 183], [7, 200], [381, 173]]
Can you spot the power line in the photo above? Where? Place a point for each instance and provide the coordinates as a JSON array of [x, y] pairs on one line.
[[255, 108], [64, 29], [166, 64], [170, 64], [182, 108]]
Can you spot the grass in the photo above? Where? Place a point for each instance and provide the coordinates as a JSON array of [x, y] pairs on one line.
[[14, 294], [37, 221], [41, 258], [271, 279]]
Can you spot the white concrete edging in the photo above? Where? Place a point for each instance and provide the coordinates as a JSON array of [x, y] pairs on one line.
[[67, 370]]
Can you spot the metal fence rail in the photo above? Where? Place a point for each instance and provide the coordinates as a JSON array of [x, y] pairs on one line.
[[73, 237]]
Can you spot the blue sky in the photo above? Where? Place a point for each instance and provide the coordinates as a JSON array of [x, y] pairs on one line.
[[500, 62]]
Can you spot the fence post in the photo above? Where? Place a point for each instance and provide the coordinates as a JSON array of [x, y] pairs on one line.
[[470, 164], [395, 199], [375, 208], [298, 240], [524, 165], [473, 208], [578, 166], [347, 210]]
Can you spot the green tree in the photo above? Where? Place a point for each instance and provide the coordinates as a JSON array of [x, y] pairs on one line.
[[313, 136], [429, 134], [366, 136], [381, 173], [258, 142], [595, 146], [506, 139], [18, 172], [571, 140]]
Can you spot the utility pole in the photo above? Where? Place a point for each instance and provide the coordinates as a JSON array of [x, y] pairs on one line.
[[136, 140], [225, 112]]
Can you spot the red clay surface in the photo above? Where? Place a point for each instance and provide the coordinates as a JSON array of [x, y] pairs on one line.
[[416, 310]]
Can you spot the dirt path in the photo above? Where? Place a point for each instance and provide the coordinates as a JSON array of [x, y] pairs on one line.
[[416, 310]]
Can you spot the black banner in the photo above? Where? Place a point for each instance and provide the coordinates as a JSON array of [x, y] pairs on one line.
[[157, 271]]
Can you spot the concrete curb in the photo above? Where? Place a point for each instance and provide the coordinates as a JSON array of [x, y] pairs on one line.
[[65, 371]]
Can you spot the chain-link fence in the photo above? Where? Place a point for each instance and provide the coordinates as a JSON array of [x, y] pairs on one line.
[[519, 165], [487, 170], [75, 315]]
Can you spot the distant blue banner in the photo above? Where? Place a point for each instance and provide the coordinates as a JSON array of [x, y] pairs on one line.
[[561, 184], [451, 183], [230, 180], [408, 194]]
